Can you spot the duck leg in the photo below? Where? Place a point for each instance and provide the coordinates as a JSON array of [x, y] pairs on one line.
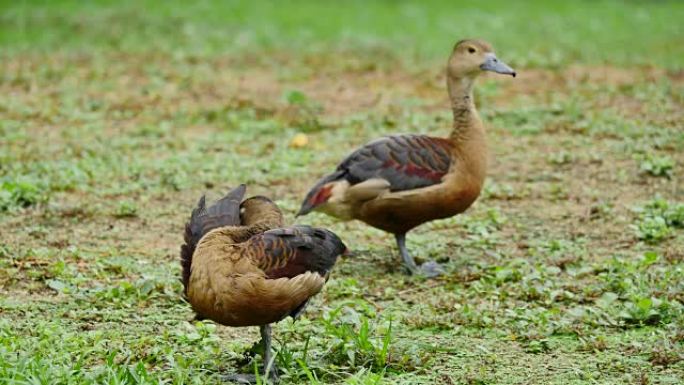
[[409, 263], [429, 269], [269, 360], [270, 370]]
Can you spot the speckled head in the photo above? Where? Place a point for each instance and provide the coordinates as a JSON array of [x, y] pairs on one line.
[[470, 57]]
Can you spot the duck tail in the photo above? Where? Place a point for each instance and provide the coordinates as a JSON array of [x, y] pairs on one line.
[[225, 212]]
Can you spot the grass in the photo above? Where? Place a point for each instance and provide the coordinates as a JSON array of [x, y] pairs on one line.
[[535, 33], [114, 119]]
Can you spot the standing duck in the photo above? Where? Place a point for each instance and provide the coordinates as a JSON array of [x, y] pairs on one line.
[[398, 182], [242, 268]]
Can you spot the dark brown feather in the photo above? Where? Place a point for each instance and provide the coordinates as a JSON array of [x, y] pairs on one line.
[[288, 252], [407, 162], [225, 212]]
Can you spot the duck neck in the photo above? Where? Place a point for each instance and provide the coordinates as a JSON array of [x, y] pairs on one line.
[[467, 123]]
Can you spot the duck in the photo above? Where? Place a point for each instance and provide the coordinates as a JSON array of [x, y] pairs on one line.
[[398, 182], [242, 267]]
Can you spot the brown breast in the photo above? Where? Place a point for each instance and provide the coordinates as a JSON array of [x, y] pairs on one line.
[[231, 290]]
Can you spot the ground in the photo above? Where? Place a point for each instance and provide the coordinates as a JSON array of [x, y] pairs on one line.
[[115, 117]]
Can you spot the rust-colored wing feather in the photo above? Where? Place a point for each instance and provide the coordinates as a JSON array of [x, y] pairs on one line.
[[288, 252], [406, 161], [291, 259]]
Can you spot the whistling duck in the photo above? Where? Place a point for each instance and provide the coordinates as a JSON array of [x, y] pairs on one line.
[[242, 268], [399, 182]]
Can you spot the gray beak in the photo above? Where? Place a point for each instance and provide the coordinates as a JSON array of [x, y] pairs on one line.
[[495, 65]]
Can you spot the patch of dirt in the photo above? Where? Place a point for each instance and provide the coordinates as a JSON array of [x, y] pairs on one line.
[[138, 87]]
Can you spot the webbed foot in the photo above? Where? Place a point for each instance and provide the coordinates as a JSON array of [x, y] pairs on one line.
[[240, 379], [431, 269], [250, 379]]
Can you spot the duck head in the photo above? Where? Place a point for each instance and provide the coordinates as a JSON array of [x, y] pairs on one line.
[[471, 57]]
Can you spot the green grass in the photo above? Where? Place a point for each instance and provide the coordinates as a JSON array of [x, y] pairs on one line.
[[114, 120], [534, 33]]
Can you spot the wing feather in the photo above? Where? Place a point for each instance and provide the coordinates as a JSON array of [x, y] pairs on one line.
[[406, 162], [288, 252]]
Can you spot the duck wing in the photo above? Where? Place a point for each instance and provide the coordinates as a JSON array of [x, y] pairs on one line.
[[296, 261], [291, 251], [401, 162]]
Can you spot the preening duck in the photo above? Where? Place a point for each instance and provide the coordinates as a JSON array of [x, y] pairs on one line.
[[241, 267], [401, 181]]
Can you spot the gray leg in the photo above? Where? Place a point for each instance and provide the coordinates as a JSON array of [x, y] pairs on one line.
[[270, 373], [269, 360], [409, 263], [429, 269]]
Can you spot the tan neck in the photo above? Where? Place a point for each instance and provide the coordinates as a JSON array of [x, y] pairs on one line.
[[467, 124], [467, 135]]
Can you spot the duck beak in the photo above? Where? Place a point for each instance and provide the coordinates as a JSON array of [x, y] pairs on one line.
[[493, 64]]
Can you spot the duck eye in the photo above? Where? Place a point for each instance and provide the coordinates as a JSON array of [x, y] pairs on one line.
[[471, 50]]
